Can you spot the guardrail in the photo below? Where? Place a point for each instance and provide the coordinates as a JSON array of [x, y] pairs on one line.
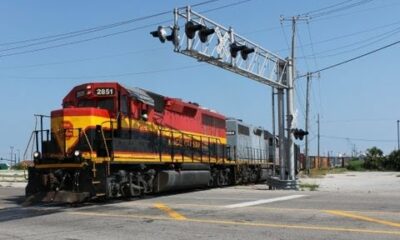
[[12, 176]]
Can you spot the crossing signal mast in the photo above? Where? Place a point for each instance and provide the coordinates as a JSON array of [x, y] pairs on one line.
[[208, 41]]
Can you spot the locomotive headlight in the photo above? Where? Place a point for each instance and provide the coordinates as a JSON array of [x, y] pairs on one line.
[[36, 155], [77, 153]]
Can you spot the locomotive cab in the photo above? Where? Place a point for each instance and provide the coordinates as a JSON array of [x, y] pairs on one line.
[[73, 128]]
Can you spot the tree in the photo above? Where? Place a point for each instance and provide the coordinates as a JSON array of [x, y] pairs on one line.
[[392, 162], [374, 159]]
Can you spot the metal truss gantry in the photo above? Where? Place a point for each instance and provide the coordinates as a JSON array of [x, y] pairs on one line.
[[196, 36], [260, 65]]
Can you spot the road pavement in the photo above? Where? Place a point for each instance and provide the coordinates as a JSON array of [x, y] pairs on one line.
[[241, 212]]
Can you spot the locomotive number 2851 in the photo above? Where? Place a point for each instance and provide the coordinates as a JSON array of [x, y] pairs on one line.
[[104, 91]]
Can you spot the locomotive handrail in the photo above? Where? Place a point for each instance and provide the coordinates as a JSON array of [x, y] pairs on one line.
[[209, 141], [88, 142], [104, 137], [105, 143]]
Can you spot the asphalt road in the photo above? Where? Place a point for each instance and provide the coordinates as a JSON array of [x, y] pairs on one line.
[[245, 212]]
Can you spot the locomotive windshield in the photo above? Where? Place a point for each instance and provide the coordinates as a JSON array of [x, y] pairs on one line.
[[104, 103]]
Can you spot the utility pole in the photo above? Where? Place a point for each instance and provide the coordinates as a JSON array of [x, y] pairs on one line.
[[273, 131], [398, 136], [281, 132], [307, 121], [319, 164], [289, 103], [19, 156], [290, 99], [11, 154]]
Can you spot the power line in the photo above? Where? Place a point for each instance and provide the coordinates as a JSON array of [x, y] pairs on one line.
[[327, 7], [225, 6], [93, 29], [110, 75], [346, 35], [312, 45], [359, 139], [353, 59], [355, 12], [84, 59], [341, 121], [80, 41], [339, 8], [84, 31], [110, 34], [378, 38]]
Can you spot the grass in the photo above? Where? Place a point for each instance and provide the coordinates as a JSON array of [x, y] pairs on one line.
[[319, 173], [356, 165], [311, 187]]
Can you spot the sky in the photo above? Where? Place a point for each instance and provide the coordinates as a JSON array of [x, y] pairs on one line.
[[357, 102]]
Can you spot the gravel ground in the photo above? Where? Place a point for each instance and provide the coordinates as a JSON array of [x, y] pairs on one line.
[[364, 182]]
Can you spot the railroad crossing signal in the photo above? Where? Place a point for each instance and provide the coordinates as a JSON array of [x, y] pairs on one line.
[[161, 34], [299, 133]]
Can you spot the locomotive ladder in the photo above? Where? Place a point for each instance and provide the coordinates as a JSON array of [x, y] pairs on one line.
[[101, 172]]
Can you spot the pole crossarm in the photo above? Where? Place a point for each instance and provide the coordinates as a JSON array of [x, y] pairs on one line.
[[220, 46]]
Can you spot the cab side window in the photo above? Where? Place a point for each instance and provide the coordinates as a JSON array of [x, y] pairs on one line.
[[124, 104]]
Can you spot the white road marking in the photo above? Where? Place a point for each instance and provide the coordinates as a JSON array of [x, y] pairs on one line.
[[262, 201]]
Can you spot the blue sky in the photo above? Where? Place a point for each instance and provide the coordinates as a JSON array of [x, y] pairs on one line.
[[356, 101]]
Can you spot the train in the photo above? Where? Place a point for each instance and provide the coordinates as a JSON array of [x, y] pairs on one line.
[[111, 141]]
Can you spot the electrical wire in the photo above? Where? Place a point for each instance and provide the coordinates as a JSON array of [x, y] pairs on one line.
[[110, 75], [226, 6], [84, 59], [355, 12], [80, 41], [338, 9], [346, 35], [352, 59], [110, 34], [325, 8], [341, 121], [359, 139], [56, 37], [371, 41], [86, 31], [312, 45]]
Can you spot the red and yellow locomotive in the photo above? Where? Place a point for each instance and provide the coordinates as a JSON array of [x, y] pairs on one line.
[[111, 141]]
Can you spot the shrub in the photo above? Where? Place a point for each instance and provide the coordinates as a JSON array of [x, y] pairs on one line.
[[356, 165]]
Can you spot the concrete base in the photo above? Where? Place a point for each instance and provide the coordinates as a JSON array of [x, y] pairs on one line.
[[276, 183]]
